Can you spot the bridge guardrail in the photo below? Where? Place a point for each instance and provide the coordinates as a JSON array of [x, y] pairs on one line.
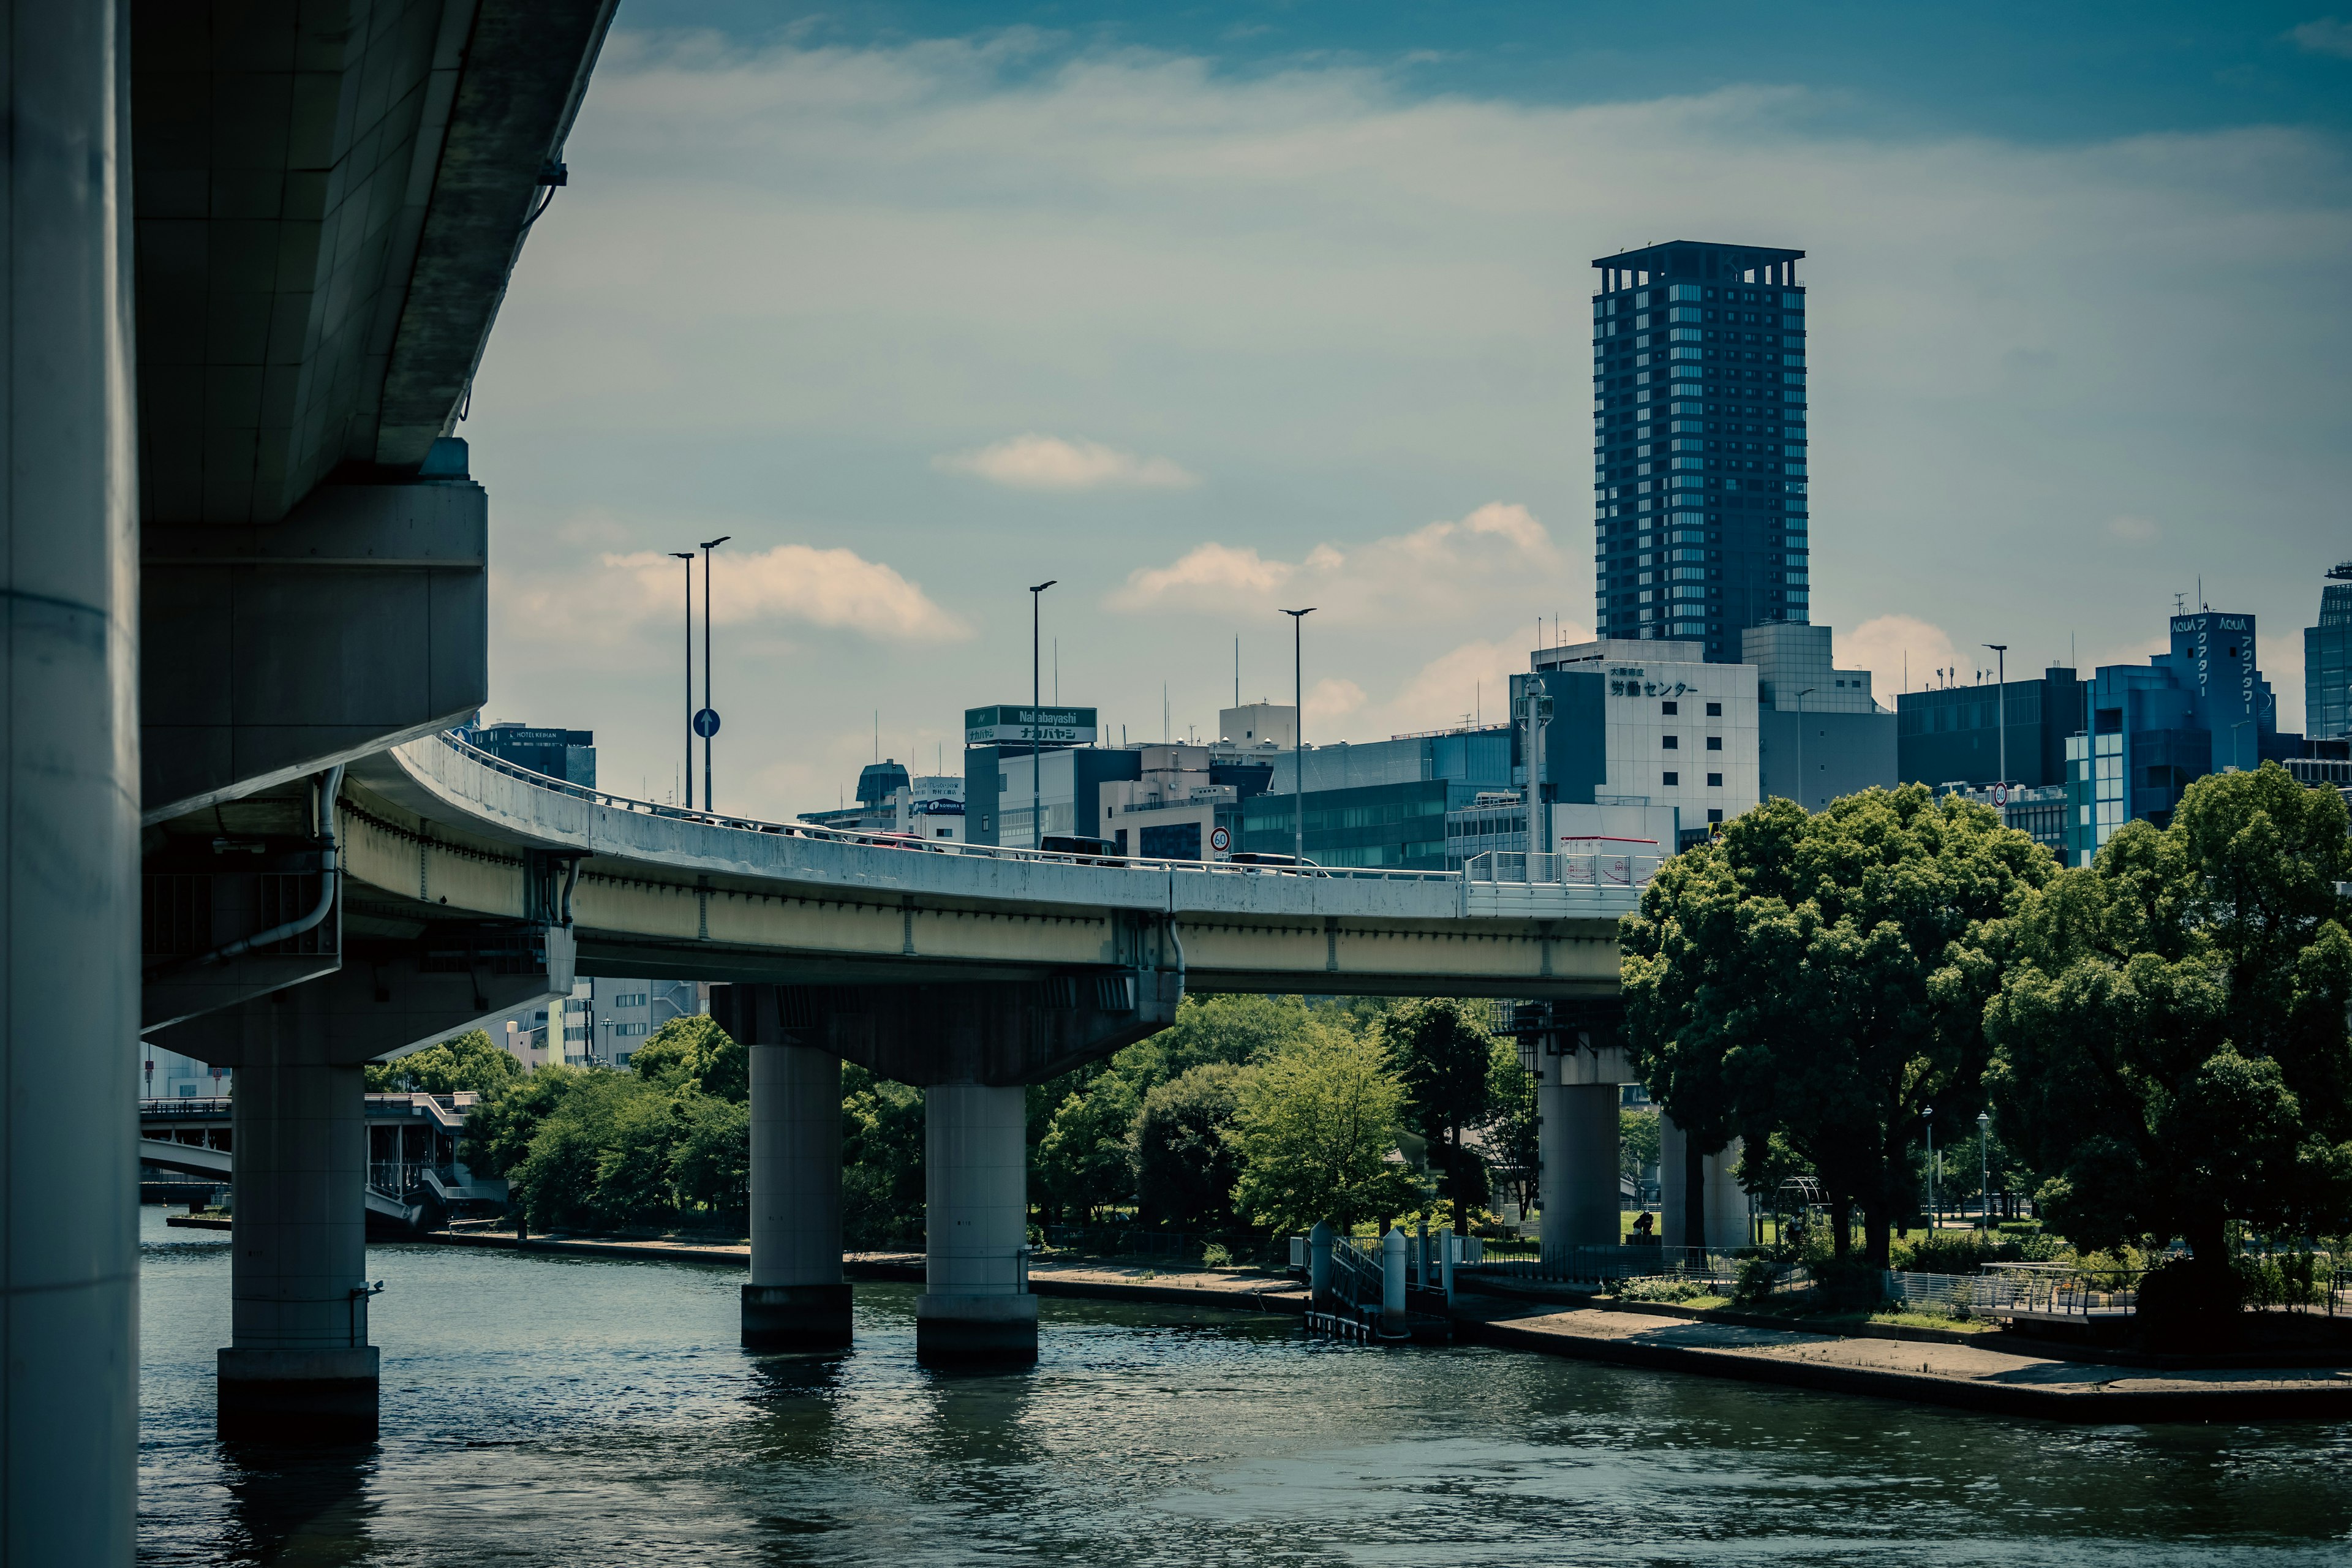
[[1572, 871]]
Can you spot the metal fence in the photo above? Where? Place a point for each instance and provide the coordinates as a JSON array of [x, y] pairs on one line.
[[1610, 1265], [1587, 869]]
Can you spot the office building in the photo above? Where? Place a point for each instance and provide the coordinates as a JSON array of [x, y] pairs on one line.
[[890, 800], [566, 754], [1954, 735], [1819, 730], [1700, 506], [2201, 707], [2327, 661], [604, 1021], [1654, 726]]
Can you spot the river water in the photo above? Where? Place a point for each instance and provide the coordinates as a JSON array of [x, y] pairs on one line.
[[540, 1410]]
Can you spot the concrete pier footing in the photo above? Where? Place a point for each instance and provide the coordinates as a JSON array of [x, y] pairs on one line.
[[976, 1308], [796, 1299], [1725, 1199]]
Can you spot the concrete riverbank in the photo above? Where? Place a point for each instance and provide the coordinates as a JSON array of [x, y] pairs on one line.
[[1967, 1376], [1990, 1372]]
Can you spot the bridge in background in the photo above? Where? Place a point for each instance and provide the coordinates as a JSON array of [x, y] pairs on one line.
[[246, 590]]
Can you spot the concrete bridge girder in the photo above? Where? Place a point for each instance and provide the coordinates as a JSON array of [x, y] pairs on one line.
[[360, 621], [387, 998]]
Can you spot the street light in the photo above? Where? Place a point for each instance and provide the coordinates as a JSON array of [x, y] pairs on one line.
[[1808, 691], [2000, 663], [1299, 729], [707, 722], [1929, 1114], [1036, 721], [687, 556], [1984, 1169]]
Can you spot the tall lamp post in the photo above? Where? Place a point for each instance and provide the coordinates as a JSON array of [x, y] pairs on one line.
[[1808, 691], [1984, 1169], [2000, 678], [707, 722], [1299, 729], [1036, 720], [687, 556]]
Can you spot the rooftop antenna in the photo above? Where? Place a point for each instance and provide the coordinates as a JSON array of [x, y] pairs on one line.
[[877, 735], [1237, 672], [1058, 672], [2180, 604]]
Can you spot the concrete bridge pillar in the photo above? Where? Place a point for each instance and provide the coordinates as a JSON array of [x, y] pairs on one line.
[[69, 795], [1577, 1102], [1725, 1199], [976, 1306], [796, 1299], [299, 1364]]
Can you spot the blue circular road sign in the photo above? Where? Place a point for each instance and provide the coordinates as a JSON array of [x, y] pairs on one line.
[[706, 723]]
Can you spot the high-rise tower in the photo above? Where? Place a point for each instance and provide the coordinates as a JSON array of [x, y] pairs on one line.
[[2327, 660], [1698, 442]]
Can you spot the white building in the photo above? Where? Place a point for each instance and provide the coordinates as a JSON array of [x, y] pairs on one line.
[[1645, 740]]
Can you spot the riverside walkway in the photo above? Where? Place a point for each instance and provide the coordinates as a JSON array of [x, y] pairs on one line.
[[1993, 1373]]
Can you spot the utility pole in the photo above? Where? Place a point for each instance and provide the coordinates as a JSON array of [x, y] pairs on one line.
[[687, 556], [2001, 660], [1037, 813], [708, 717], [1298, 729]]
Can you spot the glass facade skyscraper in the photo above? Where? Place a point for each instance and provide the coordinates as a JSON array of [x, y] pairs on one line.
[[1698, 442], [2327, 661]]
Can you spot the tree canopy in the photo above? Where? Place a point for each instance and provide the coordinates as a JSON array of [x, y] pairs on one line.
[[1184, 1167], [466, 1063], [2172, 1050], [1315, 1126], [1443, 1053], [1824, 976]]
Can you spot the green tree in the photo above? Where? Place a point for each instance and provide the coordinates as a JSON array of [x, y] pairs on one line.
[[1184, 1163], [2173, 1054], [882, 1195], [463, 1063], [1315, 1126], [1081, 1160], [1825, 977], [499, 1131], [1515, 1133], [1231, 1029], [1443, 1053], [1637, 1140], [711, 1160], [694, 1049]]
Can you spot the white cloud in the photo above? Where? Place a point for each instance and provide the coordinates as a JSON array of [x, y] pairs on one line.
[[2134, 529], [832, 588], [1330, 699], [1470, 682], [1050, 463], [2327, 36], [1897, 648], [1498, 556]]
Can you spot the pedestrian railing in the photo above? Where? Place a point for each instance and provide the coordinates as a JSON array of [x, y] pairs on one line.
[[1610, 1265], [1586, 869]]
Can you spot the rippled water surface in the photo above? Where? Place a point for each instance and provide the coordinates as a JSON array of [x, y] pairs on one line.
[[552, 1411]]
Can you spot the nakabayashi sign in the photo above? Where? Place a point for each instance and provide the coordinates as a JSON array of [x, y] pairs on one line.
[[1008, 724]]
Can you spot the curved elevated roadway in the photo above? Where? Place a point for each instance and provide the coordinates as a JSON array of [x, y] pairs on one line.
[[434, 830]]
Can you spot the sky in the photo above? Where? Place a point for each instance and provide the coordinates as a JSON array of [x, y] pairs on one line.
[[1205, 311]]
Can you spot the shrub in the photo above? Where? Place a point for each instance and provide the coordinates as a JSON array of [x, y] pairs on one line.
[[1754, 1284], [1214, 1256], [1664, 1290]]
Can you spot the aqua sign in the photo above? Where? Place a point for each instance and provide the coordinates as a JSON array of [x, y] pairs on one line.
[[1009, 724]]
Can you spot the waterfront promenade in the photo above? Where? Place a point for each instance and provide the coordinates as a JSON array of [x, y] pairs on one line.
[[1989, 1372]]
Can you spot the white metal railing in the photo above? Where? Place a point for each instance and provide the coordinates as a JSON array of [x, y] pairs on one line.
[[1600, 870], [878, 838]]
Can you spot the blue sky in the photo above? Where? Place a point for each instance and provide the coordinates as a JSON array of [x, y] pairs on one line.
[[1203, 309]]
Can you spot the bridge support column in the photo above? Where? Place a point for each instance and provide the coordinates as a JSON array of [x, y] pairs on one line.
[[68, 796], [1725, 1200], [299, 1365], [976, 1306], [796, 1299], [1579, 1165]]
